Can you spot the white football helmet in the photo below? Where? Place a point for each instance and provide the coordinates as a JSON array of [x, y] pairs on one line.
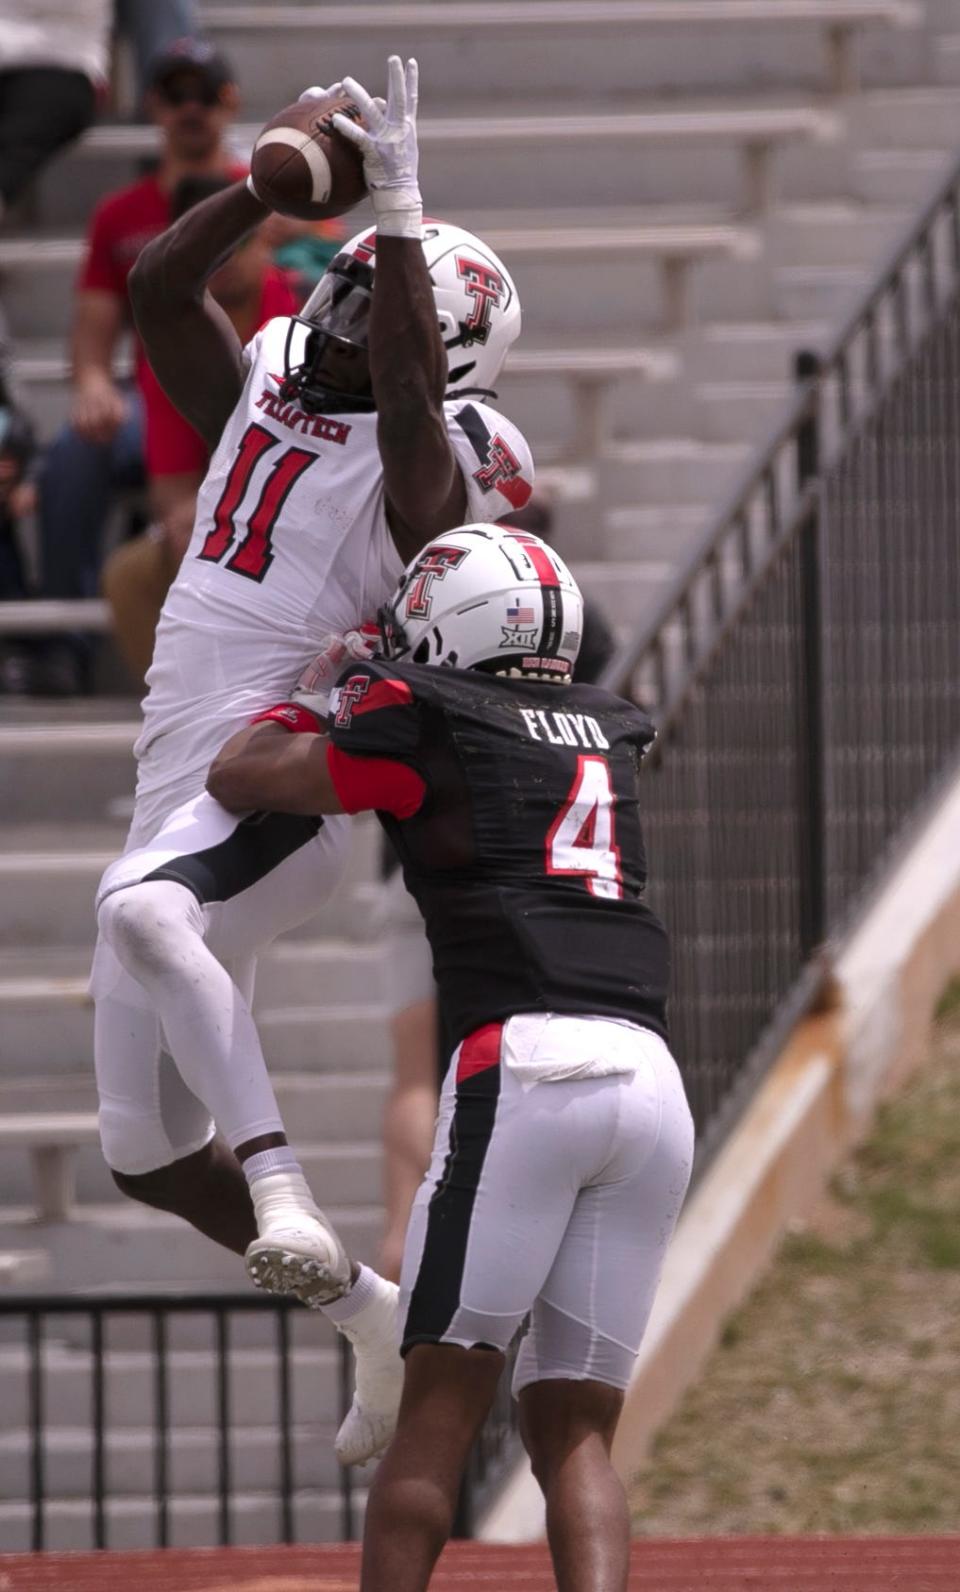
[[477, 307], [485, 597]]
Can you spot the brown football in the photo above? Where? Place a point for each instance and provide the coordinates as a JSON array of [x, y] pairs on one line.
[[301, 166]]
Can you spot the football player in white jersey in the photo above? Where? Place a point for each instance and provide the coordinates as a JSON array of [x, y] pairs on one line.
[[343, 440]]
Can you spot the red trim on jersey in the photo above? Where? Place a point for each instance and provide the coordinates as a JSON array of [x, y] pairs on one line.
[[367, 783], [479, 1050], [293, 717], [384, 694]]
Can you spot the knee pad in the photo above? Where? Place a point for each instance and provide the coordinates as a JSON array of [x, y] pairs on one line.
[[146, 923]]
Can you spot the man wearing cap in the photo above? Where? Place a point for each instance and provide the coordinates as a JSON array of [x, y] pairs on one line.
[[192, 98]]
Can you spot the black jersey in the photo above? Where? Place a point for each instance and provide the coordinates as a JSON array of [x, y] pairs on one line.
[[526, 856]]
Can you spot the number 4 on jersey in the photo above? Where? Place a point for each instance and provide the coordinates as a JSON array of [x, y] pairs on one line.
[[581, 838]]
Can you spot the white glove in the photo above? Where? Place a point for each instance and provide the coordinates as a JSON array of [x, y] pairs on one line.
[[335, 90], [388, 144], [312, 690]]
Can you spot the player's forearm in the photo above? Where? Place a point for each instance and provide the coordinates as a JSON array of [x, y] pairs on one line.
[[408, 362], [174, 267], [408, 372], [266, 768], [189, 341]]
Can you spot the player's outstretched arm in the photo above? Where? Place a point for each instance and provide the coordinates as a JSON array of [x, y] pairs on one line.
[[425, 490], [264, 768], [189, 341]]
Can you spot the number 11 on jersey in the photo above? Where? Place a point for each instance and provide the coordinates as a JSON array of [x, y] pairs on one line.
[[581, 838], [254, 555]]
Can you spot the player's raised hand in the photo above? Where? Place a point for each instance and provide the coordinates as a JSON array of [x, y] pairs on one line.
[[387, 140]]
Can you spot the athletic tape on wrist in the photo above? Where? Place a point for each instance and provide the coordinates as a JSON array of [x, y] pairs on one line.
[[299, 720]]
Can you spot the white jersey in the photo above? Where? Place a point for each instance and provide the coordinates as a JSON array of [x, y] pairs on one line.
[[290, 543]]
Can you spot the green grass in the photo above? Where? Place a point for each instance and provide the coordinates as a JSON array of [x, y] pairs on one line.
[[832, 1402]]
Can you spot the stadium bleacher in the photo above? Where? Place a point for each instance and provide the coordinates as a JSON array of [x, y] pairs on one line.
[[679, 220]]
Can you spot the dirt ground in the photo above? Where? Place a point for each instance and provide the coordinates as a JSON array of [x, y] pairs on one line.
[[833, 1401]]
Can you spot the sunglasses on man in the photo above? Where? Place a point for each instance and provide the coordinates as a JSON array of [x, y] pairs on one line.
[[189, 91]]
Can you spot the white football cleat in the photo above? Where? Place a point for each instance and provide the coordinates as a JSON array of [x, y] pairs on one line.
[[305, 1259], [372, 1417]]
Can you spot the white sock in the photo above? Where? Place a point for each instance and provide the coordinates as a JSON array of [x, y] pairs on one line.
[[356, 1298], [280, 1159]]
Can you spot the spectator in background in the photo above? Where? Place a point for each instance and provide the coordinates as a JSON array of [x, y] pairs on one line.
[[53, 65], [152, 26], [192, 98], [137, 575], [419, 1049]]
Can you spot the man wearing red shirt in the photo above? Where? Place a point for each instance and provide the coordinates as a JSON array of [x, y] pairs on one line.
[[192, 99], [137, 575]]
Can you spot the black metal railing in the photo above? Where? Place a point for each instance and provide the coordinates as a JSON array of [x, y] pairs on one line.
[[155, 1405], [165, 1419], [804, 669]]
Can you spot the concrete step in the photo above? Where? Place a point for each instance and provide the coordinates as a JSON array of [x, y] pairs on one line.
[[47, 893], [68, 1373], [749, 350], [835, 234], [48, 1024], [732, 410], [544, 249], [898, 176], [307, 1099], [338, 1173], [499, 160], [96, 757], [129, 1246], [916, 118], [820, 292], [625, 590], [194, 1521], [664, 534], [673, 470], [130, 1459], [533, 49], [947, 58], [294, 972]]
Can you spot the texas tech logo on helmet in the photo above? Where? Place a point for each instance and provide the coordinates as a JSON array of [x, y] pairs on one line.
[[432, 565], [486, 287]]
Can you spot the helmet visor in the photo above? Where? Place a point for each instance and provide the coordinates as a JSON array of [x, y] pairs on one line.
[[340, 302]]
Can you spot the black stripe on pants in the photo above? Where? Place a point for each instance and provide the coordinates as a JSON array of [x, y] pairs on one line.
[[436, 1292]]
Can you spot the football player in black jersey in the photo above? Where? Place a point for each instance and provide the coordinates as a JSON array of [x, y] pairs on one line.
[[564, 1141]]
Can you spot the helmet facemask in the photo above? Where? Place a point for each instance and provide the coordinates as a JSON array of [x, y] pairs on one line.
[[336, 317]]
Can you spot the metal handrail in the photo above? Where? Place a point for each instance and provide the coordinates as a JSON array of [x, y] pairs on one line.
[[801, 408], [97, 1307]]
